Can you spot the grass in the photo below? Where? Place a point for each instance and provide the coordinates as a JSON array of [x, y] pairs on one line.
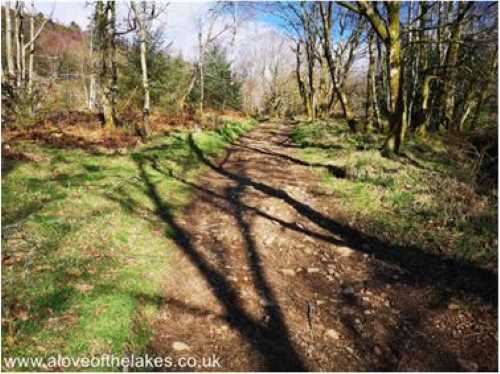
[[423, 197], [84, 252]]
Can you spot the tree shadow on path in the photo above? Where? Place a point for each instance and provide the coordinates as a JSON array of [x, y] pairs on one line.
[[271, 339], [421, 268]]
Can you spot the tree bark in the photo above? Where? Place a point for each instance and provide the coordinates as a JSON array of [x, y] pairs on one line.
[[393, 46], [114, 59], [31, 50], [17, 37], [92, 83], [200, 64], [370, 86], [141, 22], [102, 23], [450, 71], [326, 16], [300, 83], [8, 41]]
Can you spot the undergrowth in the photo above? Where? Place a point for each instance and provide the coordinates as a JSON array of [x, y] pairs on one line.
[[423, 197], [84, 251]]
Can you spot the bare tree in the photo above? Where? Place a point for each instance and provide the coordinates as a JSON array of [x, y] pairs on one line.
[[388, 30], [143, 15], [8, 40]]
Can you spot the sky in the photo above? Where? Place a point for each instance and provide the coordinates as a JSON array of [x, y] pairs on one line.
[[179, 22]]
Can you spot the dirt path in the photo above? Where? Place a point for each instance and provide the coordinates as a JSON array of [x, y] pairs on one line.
[[267, 278]]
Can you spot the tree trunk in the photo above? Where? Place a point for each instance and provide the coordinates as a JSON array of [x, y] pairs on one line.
[[326, 16], [192, 81], [300, 83], [92, 83], [310, 80], [450, 71], [31, 51], [141, 22], [114, 59], [393, 49], [17, 37], [200, 63], [370, 84], [105, 82], [8, 41]]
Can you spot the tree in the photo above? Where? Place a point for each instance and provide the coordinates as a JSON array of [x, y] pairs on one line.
[[8, 40], [338, 73], [105, 34], [388, 30], [140, 16], [222, 89]]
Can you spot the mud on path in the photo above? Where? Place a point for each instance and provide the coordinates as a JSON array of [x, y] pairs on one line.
[[267, 277]]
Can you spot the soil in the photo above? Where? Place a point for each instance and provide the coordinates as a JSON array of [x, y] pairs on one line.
[[269, 275]]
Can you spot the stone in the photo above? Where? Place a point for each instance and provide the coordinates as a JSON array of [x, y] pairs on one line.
[[312, 270], [332, 334], [344, 251], [180, 346], [308, 251], [289, 272]]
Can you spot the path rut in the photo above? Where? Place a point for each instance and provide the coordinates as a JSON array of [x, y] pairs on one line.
[[260, 280]]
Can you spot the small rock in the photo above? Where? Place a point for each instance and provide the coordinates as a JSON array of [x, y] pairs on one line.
[[331, 333], [453, 306], [312, 270], [180, 346], [232, 279], [320, 302], [344, 251], [377, 350], [308, 251], [289, 272]]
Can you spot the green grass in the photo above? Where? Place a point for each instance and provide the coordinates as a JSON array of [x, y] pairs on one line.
[[422, 198], [84, 250]]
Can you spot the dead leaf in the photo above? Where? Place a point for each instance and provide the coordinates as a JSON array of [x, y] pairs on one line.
[[84, 287]]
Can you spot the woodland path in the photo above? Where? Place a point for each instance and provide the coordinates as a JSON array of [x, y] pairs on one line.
[[266, 277]]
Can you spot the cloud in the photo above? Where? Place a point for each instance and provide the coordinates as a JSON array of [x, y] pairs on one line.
[[179, 22]]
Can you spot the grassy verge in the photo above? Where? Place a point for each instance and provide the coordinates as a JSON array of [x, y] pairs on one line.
[[424, 197], [84, 253]]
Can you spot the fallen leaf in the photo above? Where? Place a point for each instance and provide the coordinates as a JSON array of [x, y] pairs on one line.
[[84, 287]]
